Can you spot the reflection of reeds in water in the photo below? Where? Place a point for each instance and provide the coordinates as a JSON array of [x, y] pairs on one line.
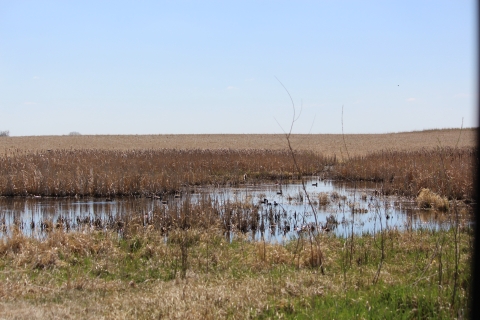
[[232, 217], [250, 213]]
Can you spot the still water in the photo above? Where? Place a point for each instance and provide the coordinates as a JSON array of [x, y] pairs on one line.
[[334, 207]]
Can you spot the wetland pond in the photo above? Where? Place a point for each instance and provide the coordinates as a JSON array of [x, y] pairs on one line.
[[274, 212]]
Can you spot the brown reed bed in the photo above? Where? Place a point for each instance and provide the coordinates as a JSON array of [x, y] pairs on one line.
[[445, 171], [103, 173]]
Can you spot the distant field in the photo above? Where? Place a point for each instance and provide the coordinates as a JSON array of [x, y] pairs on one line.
[[328, 144]]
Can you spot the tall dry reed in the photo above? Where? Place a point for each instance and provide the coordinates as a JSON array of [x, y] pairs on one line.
[[103, 173], [146, 172], [445, 171]]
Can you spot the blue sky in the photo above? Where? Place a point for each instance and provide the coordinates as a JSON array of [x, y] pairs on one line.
[[170, 67]]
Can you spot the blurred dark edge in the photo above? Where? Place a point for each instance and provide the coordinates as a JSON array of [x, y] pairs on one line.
[[475, 285]]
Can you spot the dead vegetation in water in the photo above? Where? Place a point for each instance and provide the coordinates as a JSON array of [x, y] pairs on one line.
[[229, 217], [323, 199]]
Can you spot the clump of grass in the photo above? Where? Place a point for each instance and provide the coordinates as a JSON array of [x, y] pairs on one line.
[[427, 199], [323, 199], [331, 222], [335, 195]]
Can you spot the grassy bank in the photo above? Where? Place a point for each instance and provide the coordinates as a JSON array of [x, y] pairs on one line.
[[197, 273]]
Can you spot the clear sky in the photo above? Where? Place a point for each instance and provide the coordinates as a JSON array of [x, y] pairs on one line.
[[161, 67]]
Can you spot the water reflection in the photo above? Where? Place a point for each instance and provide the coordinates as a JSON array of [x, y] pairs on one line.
[[272, 212]]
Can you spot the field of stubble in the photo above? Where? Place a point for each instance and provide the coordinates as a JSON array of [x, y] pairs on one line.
[[327, 144]]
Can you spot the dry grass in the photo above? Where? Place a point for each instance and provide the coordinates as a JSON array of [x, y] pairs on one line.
[[98, 275], [142, 172], [103, 173], [327, 144], [446, 171], [427, 199], [323, 198]]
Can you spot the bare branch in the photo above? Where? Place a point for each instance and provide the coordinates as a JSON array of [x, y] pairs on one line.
[[293, 106]]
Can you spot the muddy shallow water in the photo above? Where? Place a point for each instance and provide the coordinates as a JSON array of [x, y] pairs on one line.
[[282, 209]]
